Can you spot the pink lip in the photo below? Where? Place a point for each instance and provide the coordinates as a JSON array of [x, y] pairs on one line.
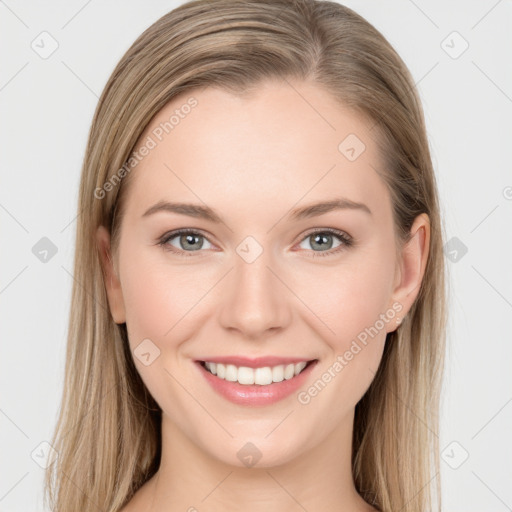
[[255, 395], [257, 362]]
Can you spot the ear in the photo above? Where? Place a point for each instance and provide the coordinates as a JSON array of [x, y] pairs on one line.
[[111, 280], [411, 269]]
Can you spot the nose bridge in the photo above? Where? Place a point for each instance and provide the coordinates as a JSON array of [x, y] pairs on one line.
[[254, 300]]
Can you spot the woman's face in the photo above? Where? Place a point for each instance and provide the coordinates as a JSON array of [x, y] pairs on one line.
[[256, 278]]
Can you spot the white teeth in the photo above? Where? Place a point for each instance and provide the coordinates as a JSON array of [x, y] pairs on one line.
[[278, 373], [261, 376], [289, 371], [299, 367], [231, 373], [221, 371], [245, 375]]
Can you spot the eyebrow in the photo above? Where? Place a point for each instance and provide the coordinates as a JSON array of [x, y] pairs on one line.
[[206, 213]]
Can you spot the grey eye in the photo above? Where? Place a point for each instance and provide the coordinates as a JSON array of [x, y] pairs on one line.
[[188, 241], [321, 241]]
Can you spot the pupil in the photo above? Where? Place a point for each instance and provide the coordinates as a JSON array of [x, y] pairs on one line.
[[190, 239], [324, 240]]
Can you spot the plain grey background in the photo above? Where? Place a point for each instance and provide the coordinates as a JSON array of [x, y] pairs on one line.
[[56, 59]]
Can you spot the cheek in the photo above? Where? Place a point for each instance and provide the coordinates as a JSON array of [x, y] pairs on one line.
[[158, 292], [148, 303], [352, 299], [351, 296], [159, 301]]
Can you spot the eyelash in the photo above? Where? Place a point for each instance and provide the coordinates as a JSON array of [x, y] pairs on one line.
[[343, 237]]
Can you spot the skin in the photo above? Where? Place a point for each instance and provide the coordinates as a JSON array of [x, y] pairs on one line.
[[253, 160]]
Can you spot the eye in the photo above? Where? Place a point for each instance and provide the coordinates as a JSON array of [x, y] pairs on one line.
[[187, 240], [323, 240]]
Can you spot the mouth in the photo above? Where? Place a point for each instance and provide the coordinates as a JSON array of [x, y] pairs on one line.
[[256, 375], [256, 382]]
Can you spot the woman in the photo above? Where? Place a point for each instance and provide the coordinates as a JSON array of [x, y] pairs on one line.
[[258, 310]]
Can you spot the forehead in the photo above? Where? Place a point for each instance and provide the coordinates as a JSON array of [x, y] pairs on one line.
[[286, 143]]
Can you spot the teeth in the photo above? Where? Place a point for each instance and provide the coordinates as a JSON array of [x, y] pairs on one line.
[[262, 376]]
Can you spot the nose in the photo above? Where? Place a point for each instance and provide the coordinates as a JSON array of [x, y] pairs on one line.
[[254, 299]]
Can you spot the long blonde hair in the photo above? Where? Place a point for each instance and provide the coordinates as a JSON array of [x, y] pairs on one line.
[[108, 432]]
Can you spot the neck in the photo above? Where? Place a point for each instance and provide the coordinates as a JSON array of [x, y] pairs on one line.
[[189, 479]]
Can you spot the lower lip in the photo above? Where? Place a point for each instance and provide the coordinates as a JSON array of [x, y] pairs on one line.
[[256, 394]]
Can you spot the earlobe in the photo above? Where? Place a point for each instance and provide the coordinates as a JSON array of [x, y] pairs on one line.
[[412, 266], [110, 277]]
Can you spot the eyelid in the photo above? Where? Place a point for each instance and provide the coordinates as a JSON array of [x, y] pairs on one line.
[[166, 237], [346, 239]]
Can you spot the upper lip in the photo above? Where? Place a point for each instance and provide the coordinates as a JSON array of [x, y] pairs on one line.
[[257, 362]]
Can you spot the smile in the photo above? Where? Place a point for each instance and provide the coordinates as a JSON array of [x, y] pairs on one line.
[[262, 376], [256, 385]]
